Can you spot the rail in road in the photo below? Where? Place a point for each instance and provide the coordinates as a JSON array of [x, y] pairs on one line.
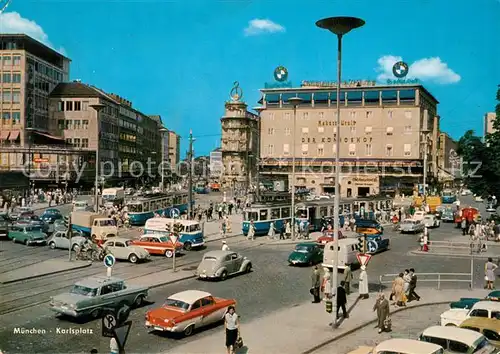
[[25, 294]]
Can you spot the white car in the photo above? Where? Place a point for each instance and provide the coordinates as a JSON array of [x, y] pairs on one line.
[[411, 226], [431, 221], [455, 317], [123, 249], [466, 192], [478, 199], [418, 215], [60, 240]]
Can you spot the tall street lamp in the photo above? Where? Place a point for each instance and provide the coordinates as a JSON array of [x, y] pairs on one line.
[[339, 26], [30, 161], [425, 146], [294, 101], [163, 130], [98, 107], [259, 110]]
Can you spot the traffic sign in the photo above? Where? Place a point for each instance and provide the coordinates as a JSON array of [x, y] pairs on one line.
[[363, 259], [372, 246], [109, 323], [173, 239], [121, 334], [109, 261], [174, 213]]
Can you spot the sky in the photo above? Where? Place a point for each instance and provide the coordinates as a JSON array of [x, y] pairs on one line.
[[179, 59]]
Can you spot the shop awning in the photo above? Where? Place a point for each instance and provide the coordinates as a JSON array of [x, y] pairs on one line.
[[14, 135], [5, 135], [48, 135]]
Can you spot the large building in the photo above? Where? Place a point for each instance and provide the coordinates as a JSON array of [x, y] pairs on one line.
[[448, 160], [384, 133], [216, 165], [240, 151], [489, 119], [174, 149]]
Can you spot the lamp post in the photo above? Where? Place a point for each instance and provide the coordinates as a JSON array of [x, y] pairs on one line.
[[294, 101], [259, 110], [425, 145], [339, 26], [98, 107], [30, 161], [163, 130]]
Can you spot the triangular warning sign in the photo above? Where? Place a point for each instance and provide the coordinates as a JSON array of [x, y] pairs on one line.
[[121, 333], [173, 239], [363, 259]]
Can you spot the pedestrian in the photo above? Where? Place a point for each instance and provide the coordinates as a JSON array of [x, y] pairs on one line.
[[412, 295], [382, 308], [288, 230], [347, 278], [223, 228], [489, 272], [363, 283], [225, 247], [316, 284], [251, 231], [398, 290], [407, 279], [232, 326], [342, 300], [271, 232], [282, 231], [326, 284]]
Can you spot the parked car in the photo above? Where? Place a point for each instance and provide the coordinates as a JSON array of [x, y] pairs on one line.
[[455, 316], [91, 296], [468, 302], [478, 199], [306, 253], [411, 226], [4, 224], [186, 311], [431, 221], [51, 215], [457, 340], [466, 192], [27, 234], [60, 239], [17, 212], [221, 264], [33, 220], [124, 249], [401, 346], [158, 244], [488, 327]]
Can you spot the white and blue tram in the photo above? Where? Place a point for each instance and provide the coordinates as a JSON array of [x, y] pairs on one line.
[[143, 208], [312, 212]]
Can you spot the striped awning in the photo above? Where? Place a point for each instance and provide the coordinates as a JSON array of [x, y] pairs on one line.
[[14, 135], [5, 135]]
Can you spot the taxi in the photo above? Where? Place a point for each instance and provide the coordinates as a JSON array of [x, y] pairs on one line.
[[158, 244], [488, 327]]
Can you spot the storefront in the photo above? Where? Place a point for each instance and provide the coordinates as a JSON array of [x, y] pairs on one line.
[[359, 186]]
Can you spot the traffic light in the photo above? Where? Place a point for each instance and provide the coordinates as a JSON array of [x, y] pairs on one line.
[[168, 228], [177, 228], [360, 244], [329, 306]]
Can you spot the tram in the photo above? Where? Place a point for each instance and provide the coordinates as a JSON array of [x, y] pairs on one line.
[[143, 208], [201, 188], [448, 197], [312, 212]]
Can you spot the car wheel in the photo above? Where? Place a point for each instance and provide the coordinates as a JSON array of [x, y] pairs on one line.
[[25, 242], [133, 258], [52, 245], [188, 246], [169, 254], [139, 301], [75, 248], [95, 313], [188, 331], [14, 239], [248, 268], [223, 275]]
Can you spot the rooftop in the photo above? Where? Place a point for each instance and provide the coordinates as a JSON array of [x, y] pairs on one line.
[[20, 41], [403, 346], [97, 280], [448, 332], [190, 296]]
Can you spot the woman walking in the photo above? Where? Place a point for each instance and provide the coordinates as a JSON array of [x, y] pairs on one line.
[[489, 271], [382, 308], [398, 290], [232, 326]]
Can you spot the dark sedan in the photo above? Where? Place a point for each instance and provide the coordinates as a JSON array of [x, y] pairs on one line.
[[51, 215]]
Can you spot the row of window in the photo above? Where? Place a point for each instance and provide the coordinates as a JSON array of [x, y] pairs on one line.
[[15, 116], [72, 106], [368, 130], [48, 71], [8, 60], [11, 96], [10, 78], [389, 150], [128, 137], [352, 115], [77, 142], [128, 149], [72, 124], [128, 125]]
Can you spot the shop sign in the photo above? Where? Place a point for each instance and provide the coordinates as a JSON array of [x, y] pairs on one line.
[[365, 181], [333, 139], [333, 84], [403, 82]]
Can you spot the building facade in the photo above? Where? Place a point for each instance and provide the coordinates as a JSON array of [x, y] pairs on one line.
[[384, 132], [174, 149], [489, 119], [448, 160], [216, 165], [239, 146]]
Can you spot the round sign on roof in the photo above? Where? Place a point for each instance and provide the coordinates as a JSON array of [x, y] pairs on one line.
[[280, 74], [400, 69]]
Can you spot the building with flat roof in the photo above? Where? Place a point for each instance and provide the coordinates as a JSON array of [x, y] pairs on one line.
[[216, 165], [448, 160], [384, 132], [174, 149], [489, 119]]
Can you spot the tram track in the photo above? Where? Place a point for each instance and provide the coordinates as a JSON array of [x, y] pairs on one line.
[[11, 302]]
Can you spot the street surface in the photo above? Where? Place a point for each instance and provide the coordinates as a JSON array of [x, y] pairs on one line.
[[272, 286]]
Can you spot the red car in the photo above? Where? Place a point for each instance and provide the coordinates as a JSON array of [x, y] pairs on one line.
[[327, 237]]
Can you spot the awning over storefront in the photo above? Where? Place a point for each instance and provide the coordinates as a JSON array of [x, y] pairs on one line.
[[48, 135], [14, 135], [5, 135]]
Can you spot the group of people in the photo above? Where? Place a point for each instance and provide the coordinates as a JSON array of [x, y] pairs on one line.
[[52, 196], [403, 288]]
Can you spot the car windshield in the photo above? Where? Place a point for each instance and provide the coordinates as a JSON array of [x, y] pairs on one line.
[[83, 290], [484, 347], [303, 249], [177, 303], [163, 239], [129, 243], [195, 227], [34, 229]]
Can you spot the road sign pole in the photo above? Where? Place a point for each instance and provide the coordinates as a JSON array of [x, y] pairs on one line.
[[173, 259], [109, 271], [70, 236]]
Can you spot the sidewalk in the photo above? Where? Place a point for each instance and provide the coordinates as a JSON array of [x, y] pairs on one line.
[[48, 267], [305, 328]]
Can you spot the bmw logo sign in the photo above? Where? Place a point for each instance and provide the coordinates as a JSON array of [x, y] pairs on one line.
[[280, 74], [400, 69]]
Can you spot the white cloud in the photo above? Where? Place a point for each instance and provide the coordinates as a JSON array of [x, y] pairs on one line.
[[425, 69], [14, 23], [260, 26]]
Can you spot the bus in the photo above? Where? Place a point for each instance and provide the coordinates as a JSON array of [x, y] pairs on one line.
[[191, 233], [201, 188], [448, 197], [145, 207]]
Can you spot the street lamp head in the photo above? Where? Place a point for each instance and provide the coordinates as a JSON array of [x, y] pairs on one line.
[[295, 101], [98, 106], [340, 25], [259, 109]]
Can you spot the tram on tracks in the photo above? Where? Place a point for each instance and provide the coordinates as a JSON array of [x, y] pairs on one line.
[[145, 207]]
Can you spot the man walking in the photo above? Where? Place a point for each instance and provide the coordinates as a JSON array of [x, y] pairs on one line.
[[463, 225], [347, 278], [412, 295], [316, 284], [342, 300]]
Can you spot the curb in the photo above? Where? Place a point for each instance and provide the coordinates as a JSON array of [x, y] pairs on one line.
[[45, 274], [476, 256], [361, 326]]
